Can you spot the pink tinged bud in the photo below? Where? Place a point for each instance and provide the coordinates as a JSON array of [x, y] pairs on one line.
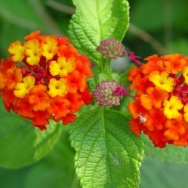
[[120, 91], [109, 93], [134, 58], [111, 48]]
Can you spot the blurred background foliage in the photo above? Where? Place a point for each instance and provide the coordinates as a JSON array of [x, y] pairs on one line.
[[158, 26]]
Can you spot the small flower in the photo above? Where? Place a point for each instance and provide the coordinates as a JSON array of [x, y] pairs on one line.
[[44, 78], [57, 87], [161, 80], [109, 93], [185, 74], [17, 51], [160, 109], [153, 97], [62, 67], [186, 112], [38, 98], [172, 107], [21, 89], [134, 58], [111, 48], [49, 46], [174, 64], [33, 52], [10, 76]]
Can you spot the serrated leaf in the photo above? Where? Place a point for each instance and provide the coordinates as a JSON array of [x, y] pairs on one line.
[[170, 153], [96, 20], [21, 143], [108, 155]]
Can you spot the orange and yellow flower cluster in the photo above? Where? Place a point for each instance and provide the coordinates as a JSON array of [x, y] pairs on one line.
[[160, 108], [44, 77]]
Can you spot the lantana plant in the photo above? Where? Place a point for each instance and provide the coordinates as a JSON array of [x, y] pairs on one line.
[[50, 82]]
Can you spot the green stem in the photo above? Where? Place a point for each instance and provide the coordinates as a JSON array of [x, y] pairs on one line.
[[109, 68]]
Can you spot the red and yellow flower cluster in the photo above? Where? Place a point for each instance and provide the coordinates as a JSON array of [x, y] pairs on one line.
[[44, 77], [160, 108]]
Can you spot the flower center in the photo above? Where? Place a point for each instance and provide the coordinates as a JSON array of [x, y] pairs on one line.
[[181, 89], [40, 73]]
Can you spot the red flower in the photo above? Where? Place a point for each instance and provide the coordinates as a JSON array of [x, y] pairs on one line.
[[45, 77], [160, 109]]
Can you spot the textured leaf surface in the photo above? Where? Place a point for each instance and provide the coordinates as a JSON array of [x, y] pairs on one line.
[[95, 20], [108, 155], [21, 143], [170, 153]]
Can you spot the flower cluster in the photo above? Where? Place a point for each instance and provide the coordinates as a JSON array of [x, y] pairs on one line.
[[111, 48], [44, 77], [109, 93], [160, 108]]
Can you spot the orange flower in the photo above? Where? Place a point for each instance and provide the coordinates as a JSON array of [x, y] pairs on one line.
[[133, 73], [9, 78], [59, 107], [45, 77], [154, 64], [175, 63], [136, 126], [39, 98], [9, 74], [153, 97], [140, 83], [161, 100]]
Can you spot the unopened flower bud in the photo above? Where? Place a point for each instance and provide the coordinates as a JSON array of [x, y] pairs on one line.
[[111, 48], [109, 93]]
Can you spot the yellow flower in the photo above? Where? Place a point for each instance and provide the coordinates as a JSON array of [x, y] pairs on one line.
[[185, 74], [49, 47], [172, 107], [57, 87], [21, 89], [185, 115], [17, 51], [162, 81], [62, 67], [33, 52]]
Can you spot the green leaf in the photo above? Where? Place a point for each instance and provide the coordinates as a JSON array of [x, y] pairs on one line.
[[20, 14], [108, 155], [160, 174], [28, 14], [21, 143], [12, 178], [96, 20], [170, 153], [57, 168]]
